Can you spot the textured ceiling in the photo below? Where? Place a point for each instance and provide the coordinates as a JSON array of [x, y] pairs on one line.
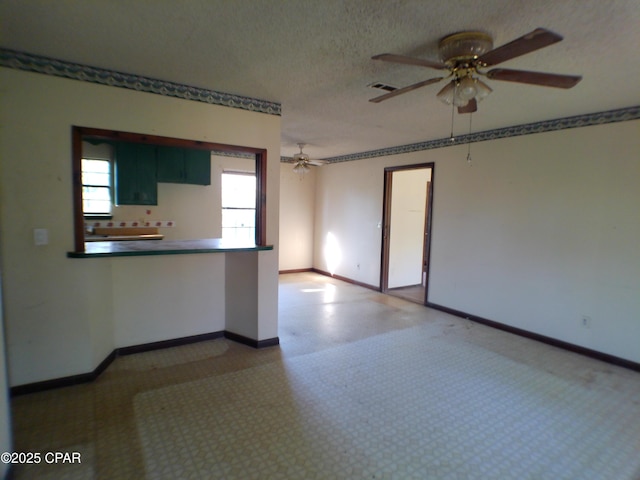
[[314, 57]]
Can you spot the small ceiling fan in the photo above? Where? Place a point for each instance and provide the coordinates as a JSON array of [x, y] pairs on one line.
[[302, 161], [464, 55]]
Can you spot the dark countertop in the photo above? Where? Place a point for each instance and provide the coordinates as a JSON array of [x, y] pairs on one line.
[[165, 247]]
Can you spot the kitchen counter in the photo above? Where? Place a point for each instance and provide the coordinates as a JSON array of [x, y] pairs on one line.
[[127, 248]]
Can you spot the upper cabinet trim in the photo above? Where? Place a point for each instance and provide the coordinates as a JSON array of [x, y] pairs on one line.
[[76, 71]]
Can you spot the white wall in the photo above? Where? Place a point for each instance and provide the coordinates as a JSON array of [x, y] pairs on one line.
[[297, 200], [540, 231], [242, 312], [63, 316], [348, 216], [406, 232], [189, 304]]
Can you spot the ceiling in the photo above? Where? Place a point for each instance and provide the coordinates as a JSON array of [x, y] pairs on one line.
[[314, 57]]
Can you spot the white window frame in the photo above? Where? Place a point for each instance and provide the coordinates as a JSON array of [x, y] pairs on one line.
[[239, 233], [109, 188]]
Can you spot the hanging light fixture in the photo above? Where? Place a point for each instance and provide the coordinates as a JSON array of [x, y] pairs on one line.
[[301, 161], [301, 168], [460, 52], [460, 91]]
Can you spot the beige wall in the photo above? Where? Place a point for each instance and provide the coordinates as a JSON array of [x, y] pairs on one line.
[[348, 216], [297, 199], [542, 230], [63, 316]]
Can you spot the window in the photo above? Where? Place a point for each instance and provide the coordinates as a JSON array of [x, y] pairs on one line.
[[239, 207], [96, 187]]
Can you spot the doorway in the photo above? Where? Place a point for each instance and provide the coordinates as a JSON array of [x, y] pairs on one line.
[[406, 237]]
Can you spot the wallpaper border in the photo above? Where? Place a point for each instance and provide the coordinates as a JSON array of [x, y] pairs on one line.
[[50, 66], [59, 68], [599, 118]]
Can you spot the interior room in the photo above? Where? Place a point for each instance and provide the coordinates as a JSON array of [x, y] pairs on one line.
[[365, 239]]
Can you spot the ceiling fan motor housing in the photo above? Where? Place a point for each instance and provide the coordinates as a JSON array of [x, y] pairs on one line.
[[463, 47], [301, 157]]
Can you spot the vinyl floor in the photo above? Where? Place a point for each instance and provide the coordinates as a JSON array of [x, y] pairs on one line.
[[413, 293], [362, 386]]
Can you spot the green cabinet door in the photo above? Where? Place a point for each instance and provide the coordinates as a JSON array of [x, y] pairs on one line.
[[171, 166], [198, 167], [184, 165], [136, 174]]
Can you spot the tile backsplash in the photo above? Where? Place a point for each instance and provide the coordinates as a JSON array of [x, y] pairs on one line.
[[131, 223]]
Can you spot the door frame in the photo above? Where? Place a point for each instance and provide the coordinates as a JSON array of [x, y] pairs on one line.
[[386, 223]]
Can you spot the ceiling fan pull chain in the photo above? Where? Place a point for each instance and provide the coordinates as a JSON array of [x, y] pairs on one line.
[[453, 109], [469, 142]]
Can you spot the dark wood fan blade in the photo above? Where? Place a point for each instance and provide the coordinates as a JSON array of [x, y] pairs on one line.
[[400, 91], [534, 78], [470, 107], [530, 42], [390, 57]]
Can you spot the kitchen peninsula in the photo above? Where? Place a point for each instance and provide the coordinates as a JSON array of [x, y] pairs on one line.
[[166, 292], [65, 314], [171, 292], [175, 247]]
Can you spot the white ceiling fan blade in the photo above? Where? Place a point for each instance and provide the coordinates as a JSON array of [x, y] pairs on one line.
[[318, 163]]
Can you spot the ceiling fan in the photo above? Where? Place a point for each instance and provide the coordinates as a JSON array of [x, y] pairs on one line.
[[465, 55], [302, 161]]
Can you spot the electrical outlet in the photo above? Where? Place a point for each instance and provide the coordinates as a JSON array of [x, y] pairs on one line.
[[586, 321], [40, 236]]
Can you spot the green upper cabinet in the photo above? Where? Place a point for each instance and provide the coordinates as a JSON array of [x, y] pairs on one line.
[[182, 165], [170, 164], [198, 167], [136, 180], [139, 168]]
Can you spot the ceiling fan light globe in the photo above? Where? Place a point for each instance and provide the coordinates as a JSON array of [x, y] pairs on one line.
[[466, 89], [460, 102], [301, 168], [447, 94], [483, 90]]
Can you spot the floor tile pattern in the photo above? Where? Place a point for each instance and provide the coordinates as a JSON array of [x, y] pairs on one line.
[[396, 406], [363, 385]]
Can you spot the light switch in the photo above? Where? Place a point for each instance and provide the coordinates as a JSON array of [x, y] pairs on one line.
[[40, 236]]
